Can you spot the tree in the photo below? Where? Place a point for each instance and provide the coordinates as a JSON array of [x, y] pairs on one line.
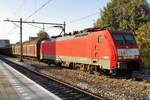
[[43, 35], [143, 37], [124, 15]]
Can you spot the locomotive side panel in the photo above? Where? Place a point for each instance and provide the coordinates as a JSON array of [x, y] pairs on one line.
[[84, 50], [74, 50]]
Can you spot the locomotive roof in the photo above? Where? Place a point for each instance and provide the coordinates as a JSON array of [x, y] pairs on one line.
[[76, 34], [121, 32], [69, 36]]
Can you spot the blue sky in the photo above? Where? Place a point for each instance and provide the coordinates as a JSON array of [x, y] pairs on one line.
[[56, 11]]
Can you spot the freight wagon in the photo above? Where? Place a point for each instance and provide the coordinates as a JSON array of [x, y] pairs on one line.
[[30, 48]]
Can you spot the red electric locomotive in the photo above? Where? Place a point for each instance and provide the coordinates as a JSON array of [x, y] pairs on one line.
[[92, 49]]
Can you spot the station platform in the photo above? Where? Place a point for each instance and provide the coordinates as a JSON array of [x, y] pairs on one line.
[[15, 86]]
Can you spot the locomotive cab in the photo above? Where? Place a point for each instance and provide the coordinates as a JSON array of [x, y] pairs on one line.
[[127, 50]]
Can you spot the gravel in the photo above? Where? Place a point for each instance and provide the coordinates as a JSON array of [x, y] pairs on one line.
[[111, 88]]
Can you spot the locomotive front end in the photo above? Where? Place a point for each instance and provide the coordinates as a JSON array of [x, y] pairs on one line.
[[127, 51]]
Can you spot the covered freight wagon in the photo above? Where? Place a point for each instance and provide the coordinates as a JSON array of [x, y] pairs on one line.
[[30, 48]]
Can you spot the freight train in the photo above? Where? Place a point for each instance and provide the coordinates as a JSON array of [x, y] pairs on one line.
[[93, 49]]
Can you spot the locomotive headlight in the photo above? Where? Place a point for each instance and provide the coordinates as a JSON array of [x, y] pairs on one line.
[[137, 56], [119, 58], [106, 57]]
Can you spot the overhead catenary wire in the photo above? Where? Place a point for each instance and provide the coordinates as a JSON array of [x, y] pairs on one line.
[[19, 7], [12, 30], [79, 19], [49, 27], [82, 18], [73, 21], [32, 15], [16, 11], [34, 25], [16, 24], [38, 9]]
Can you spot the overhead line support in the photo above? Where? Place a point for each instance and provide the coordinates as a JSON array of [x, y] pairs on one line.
[[21, 46], [62, 26], [33, 22]]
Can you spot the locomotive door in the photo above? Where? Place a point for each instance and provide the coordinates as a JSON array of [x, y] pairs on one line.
[[97, 47], [96, 51]]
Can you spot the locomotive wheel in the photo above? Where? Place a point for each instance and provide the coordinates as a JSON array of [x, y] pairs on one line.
[[90, 69], [78, 66], [72, 66], [85, 67], [96, 70], [58, 64], [106, 72]]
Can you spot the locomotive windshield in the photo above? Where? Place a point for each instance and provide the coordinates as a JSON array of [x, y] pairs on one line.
[[129, 39], [119, 38]]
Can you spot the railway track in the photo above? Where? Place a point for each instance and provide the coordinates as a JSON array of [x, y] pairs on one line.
[[59, 88]]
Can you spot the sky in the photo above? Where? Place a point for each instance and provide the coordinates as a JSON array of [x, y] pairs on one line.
[[73, 12], [57, 11]]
